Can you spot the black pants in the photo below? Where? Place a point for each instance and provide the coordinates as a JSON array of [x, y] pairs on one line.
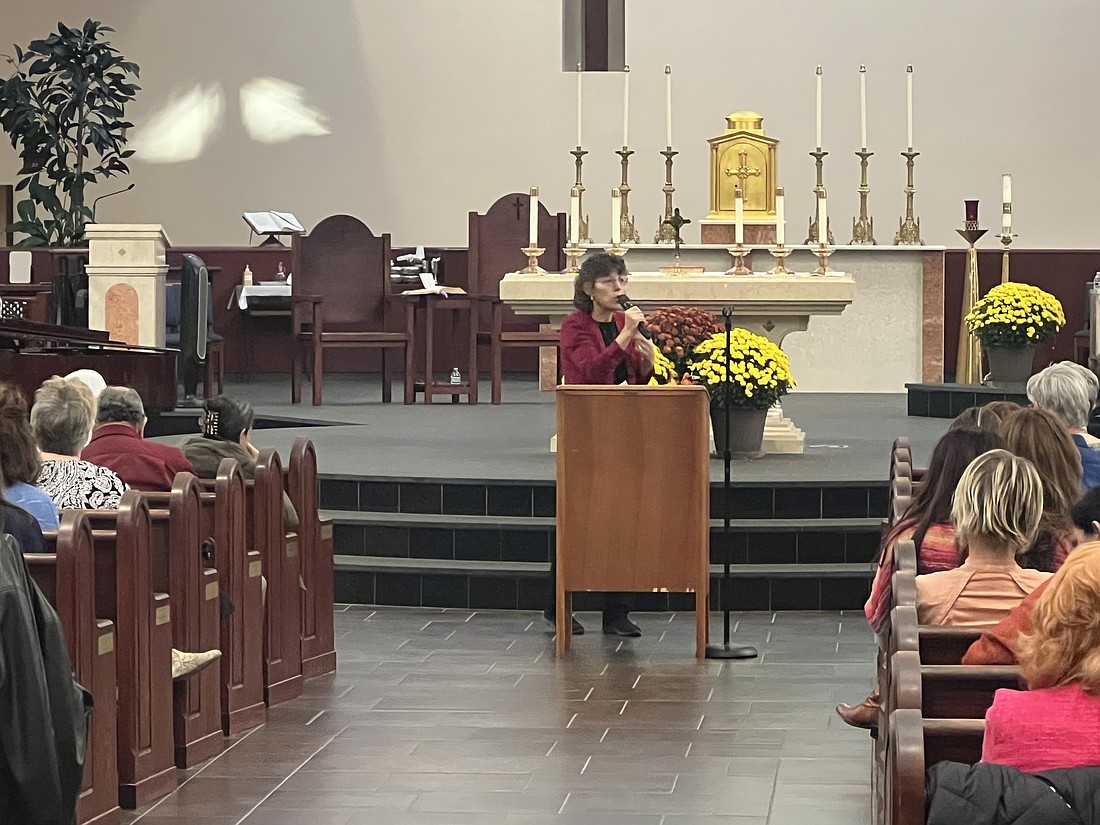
[[615, 605]]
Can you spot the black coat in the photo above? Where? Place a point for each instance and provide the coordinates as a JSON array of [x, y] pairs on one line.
[[43, 711], [988, 794]]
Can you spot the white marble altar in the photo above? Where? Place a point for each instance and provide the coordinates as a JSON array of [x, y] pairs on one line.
[[126, 281]]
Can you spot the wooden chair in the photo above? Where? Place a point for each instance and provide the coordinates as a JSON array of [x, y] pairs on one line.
[[338, 301], [495, 241]]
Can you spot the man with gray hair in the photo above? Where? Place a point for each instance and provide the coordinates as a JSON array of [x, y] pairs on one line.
[[1069, 391], [117, 443]]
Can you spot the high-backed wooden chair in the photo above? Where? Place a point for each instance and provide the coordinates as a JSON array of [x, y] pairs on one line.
[[495, 241], [339, 287]]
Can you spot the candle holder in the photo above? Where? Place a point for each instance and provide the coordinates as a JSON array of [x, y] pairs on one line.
[[909, 227], [1006, 238], [739, 251], [811, 236], [582, 229], [573, 253], [666, 232], [968, 369], [627, 232], [616, 249], [863, 227], [822, 252], [533, 254], [780, 253]]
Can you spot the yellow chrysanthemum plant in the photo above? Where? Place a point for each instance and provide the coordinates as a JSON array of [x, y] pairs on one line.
[[664, 371], [1016, 315], [759, 371]]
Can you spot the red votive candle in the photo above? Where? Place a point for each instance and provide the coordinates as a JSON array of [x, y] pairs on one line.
[[971, 211]]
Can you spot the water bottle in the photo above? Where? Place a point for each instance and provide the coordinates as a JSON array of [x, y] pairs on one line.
[[456, 376], [1096, 282]]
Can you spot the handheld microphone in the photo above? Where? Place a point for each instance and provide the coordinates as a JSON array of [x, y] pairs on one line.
[[108, 195], [625, 303]]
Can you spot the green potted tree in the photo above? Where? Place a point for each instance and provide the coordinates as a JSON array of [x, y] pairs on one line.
[[63, 110]]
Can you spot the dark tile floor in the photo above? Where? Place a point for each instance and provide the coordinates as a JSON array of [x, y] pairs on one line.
[[443, 716]]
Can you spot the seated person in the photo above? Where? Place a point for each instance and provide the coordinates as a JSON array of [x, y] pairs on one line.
[[987, 417], [117, 443], [61, 419], [23, 527], [226, 430], [996, 511], [998, 646], [19, 461], [1055, 723], [1069, 392]]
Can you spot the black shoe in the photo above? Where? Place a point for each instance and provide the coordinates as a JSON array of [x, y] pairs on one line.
[[578, 628], [621, 626]]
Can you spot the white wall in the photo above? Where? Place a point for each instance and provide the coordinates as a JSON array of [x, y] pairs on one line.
[[439, 106]]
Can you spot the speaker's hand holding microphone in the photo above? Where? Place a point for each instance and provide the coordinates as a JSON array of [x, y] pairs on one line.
[[635, 318]]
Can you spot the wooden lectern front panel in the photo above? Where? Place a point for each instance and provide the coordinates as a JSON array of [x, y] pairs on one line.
[[633, 480]]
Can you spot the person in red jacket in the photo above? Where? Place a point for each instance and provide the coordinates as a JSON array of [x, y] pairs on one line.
[[601, 344], [117, 443]]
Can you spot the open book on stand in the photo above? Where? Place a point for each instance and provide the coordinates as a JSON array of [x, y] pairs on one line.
[[273, 223], [432, 288]]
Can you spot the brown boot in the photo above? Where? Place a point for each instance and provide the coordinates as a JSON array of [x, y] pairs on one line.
[[863, 715]]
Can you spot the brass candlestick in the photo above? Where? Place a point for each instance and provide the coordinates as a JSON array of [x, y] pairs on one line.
[[819, 162], [1006, 237], [582, 233], [627, 232], [666, 233], [573, 254], [780, 253], [863, 227], [616, 249], [739, 251], [968, 365], [822, 253], [909, 227], [533, 253]]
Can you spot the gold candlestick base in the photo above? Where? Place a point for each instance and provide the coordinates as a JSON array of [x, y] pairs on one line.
[[572, 254], [533, 254], [968, 360], [822, 252], [616, 249], [780, 253], [1006, 239], [739, 252]]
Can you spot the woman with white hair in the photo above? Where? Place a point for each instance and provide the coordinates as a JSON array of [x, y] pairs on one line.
[[1069, 391]]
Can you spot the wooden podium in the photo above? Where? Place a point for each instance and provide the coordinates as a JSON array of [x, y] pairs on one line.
[[633, 489]]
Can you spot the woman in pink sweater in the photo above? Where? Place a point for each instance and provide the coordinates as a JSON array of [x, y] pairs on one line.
[[1056, 722]]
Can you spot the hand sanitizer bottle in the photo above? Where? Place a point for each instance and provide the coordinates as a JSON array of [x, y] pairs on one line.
[[456, 376], [247, 279]]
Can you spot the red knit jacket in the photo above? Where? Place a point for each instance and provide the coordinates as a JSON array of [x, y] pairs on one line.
[[586, 360]]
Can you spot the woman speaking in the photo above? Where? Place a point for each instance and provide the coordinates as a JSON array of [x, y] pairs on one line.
[[601, 343]]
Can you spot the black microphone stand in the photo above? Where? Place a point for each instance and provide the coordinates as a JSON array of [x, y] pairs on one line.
[[726, 650]]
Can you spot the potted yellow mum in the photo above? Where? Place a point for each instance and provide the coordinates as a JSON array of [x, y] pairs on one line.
[[759, 375], [1011, 320]]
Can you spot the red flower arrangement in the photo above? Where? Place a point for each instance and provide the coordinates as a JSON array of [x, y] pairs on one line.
[[677, 330]]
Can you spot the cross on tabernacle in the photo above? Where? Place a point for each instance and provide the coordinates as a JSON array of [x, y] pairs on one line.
[[743, 171], [518, 204]]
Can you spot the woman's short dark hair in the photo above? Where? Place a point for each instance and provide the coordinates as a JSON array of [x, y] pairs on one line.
[[600, 265], [1086, 511], [18, 449], [226, 418]]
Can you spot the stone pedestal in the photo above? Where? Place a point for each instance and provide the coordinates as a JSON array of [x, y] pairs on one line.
[[126, 281]]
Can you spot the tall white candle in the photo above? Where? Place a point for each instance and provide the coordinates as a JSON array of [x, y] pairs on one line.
[[818, 129], [616, 213], [822, 218], [533, 230], [626, 106], [1006, 199], [739, 217], [574, 216], [668, 105], [909, 105], [780, 216], [863, 108], [579, 73]]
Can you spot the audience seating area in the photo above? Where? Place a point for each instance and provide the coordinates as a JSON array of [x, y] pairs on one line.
[[184, 570]]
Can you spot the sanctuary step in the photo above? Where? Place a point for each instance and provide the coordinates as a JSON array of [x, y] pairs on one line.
[[948, 400], [792, 547]]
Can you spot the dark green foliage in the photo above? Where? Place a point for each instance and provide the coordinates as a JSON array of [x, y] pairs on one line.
[[63, 110]]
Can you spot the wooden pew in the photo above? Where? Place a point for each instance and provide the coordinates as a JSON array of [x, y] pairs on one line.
[[224, 514], [279, 552], [181, 570], [143, 630], [315, 537], [66, 578]]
